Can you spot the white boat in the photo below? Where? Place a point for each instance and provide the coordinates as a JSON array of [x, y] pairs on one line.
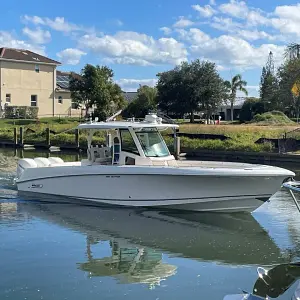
[[135, 168]]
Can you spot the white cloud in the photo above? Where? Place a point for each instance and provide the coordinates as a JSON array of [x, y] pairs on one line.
[[225, 24], [193, 35], [229, 51], [287, 19], [212, 2], [58, 24], [70, 56], [118, 22], [131, 85], [38, 36], [8, 40], [127, 61], [166, 30], [183, 22], [205, 11], [235, 8], [135, 47]]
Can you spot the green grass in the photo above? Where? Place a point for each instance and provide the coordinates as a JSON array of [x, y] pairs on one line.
[[243, 137]]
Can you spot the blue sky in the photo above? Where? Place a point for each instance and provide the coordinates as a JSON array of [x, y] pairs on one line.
[[138, 39]]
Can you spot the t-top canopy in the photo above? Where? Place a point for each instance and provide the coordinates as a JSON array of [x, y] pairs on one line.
[[149, 122]]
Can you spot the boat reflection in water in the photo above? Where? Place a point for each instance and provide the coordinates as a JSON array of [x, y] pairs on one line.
[[273, 283], [129, 265], [235, 239]]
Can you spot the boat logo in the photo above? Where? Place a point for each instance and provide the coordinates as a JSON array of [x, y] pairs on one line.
[[36, 186]]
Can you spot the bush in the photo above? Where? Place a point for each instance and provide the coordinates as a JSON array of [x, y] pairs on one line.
[[272, 118], [21, 112]]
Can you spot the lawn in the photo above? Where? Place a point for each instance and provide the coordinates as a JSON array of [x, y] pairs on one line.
[[242, 137]]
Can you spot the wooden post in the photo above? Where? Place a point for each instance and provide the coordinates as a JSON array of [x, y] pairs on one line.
[[15, 137], [21, 139], [177, 147], [77, 138], [48, 141]]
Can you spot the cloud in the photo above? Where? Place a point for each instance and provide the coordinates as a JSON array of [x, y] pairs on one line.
[[38, 36], [183, 22], [205, 11], [70, 56], [225, 24], [212, 2], [230, 51], [135, 47], [131, 85], [235, 8], [8, 40], [166, 30], [118, 22], [58, 24], [127, 61]]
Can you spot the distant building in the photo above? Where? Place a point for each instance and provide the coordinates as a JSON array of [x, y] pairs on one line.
[[225, 110], [30, 79], [130, 96]]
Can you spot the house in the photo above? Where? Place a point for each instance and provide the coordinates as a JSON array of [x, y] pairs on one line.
[[225, 110], [30, 79]]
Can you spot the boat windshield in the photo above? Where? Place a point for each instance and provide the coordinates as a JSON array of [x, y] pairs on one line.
[[152, 143]]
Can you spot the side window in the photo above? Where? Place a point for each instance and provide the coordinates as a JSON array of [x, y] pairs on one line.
[[60, 99], [37, 68], [33, 101], [127, 142]]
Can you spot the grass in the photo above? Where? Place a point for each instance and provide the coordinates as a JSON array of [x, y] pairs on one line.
[[242, 137], [272, 118]]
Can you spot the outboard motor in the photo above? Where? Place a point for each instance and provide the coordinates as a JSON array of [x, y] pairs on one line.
[[272, 283], [23, 164]]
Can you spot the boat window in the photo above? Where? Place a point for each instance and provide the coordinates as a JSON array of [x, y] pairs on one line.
[[127, 142], [152, 143]]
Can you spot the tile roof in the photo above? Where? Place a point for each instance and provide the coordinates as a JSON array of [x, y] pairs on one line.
[[25, 55]]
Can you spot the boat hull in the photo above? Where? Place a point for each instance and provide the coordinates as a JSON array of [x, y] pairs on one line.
[[197, 192]]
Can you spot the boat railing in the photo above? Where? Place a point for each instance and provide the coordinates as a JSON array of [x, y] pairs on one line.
[[293, 187]]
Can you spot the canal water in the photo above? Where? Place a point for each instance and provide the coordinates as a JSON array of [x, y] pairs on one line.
[[57, 251]]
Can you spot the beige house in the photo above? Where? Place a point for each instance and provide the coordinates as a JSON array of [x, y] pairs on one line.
[[30, 79]]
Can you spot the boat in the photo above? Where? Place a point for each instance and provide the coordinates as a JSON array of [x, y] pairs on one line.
[[135, 168]]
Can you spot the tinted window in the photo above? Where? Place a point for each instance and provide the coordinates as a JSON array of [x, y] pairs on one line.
[[127, 142]]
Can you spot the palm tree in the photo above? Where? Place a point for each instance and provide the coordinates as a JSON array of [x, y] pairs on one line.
[[236, 84], [292, 51]]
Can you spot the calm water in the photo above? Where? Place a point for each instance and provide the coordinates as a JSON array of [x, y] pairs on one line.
[[63, 251]]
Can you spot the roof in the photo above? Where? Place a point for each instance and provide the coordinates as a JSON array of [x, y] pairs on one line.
[[125, 125], [130, 96], [25, 55]]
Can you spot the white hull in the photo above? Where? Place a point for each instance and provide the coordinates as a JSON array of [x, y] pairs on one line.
[[184, 188]]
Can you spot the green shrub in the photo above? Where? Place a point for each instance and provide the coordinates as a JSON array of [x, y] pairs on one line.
[[21, 112], [272, 118]]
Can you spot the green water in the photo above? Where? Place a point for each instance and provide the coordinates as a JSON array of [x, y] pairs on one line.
[[63, 251]]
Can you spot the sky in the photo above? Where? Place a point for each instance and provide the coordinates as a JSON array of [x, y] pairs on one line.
[[139, 39]]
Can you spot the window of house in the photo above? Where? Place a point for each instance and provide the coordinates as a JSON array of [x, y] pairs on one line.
[[8, 98], [33, 100], [74, 105], [60, 99], [37, 68]]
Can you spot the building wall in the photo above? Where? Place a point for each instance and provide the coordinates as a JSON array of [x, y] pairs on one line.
[[65, 108], [20, 80]]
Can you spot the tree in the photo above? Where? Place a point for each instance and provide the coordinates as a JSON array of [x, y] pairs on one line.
[[269, 86], [145, 101], [94, 87], [292, 51], [236, 84], [250, 108], [289, 78], [189, 88]]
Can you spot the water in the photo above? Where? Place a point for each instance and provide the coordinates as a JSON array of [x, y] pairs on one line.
[[63, 251]]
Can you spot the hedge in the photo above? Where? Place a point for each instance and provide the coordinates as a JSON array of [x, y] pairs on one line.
[[21, 112]]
